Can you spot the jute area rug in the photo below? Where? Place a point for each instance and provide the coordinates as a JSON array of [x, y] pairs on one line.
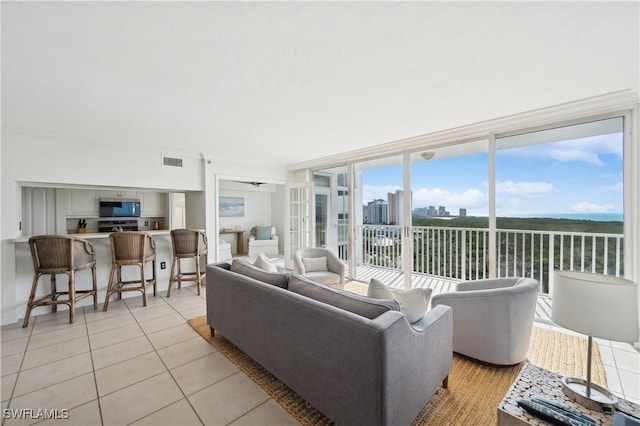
[[474, 391]]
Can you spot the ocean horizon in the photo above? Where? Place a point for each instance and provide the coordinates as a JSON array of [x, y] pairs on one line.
[[596, 217]]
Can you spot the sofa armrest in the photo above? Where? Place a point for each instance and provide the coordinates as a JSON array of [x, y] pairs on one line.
[[274, 238], [418, 359], [298, 265]]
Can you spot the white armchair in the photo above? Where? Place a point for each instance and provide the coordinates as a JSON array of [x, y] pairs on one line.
[[319, 264], [493, 318], [263, 239]]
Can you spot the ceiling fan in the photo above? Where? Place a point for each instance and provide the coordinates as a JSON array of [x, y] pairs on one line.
[[255, 184]]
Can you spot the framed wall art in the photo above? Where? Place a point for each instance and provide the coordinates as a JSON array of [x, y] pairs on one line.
[[231, 207]]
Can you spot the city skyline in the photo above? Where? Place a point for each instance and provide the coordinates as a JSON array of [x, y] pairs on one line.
[[575, 177]]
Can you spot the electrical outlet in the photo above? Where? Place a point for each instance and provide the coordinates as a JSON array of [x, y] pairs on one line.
[[163, 265], [146, 223]]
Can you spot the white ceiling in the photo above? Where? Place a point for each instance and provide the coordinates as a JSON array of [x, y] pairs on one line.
[[287, 82]]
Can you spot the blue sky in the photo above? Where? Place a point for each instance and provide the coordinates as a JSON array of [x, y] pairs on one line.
[[567, 177]]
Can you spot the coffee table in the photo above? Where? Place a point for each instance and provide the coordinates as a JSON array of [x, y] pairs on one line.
[[533, 381]]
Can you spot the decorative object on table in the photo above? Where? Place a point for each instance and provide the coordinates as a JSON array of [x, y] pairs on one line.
[[231, 207], [599, 306], [237, 228], [534, 381], [555, 412]]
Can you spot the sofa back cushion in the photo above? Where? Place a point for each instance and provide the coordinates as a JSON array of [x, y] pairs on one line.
[[245, 268], [360, 305]]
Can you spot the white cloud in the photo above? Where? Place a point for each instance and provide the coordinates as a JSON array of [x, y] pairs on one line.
[[524, 189], [586, 207], [374, 192], [587, 150]]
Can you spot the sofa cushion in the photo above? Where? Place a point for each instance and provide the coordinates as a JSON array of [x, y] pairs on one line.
[[413, 303], [315, 264], [265, 264], [263, 232], [360, 305], [245, 268]]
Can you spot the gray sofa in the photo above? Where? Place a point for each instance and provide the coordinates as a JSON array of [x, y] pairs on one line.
[[357, 360]]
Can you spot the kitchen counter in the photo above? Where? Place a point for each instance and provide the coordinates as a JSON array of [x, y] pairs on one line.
[[92, 235]]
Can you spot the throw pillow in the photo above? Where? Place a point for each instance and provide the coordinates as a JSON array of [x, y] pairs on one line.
[[315, 264], [241, 266], [413, 303], [265, 264], [263, 232]]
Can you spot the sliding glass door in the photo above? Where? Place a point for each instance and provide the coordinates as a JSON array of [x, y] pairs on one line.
[[560, 200], [450, 215], [380, 226], [517, 204]]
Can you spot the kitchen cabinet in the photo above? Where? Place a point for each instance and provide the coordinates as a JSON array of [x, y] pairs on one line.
[[153, 204], [82, 203], [120, 194]]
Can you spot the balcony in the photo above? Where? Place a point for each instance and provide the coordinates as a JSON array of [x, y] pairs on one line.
[[446, 255], [463, 253]]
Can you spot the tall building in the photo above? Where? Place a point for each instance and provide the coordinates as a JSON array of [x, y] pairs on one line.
[[395, 207], [442, 212], [420, 212], [431, 211], [463, 213], [376, 212]]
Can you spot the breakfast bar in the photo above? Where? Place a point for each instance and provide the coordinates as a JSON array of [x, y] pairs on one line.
[[100, 241]]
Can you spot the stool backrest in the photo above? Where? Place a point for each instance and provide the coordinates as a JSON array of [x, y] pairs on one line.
[[129, 246], [59, 253], [188, 242]]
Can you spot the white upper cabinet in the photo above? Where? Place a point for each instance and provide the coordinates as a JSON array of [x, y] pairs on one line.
[[82, 203], [121, 194], [153, 204]]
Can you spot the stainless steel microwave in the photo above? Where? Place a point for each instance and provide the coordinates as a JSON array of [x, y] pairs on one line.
[[119, 208]]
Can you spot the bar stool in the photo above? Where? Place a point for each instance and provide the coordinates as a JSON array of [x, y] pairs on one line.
[[188, 243], [57, 254], [130, 248]]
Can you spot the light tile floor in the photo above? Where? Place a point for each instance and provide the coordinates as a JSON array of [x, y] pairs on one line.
[[130, 365], [145, 365]]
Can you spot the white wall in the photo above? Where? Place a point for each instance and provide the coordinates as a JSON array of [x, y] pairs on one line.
[[48, 161], [257, 212]]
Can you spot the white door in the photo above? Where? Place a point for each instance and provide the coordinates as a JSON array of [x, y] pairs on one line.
[[298, 219]]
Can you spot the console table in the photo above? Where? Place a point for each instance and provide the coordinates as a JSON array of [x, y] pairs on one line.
[[239, 239], [533, 381]]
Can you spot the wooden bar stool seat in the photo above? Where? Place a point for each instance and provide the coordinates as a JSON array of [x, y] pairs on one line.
[[58, 254], [188, 244], [130, 248]]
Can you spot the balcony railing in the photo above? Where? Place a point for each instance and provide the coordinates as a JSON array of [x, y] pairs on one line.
[[463, 253]]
